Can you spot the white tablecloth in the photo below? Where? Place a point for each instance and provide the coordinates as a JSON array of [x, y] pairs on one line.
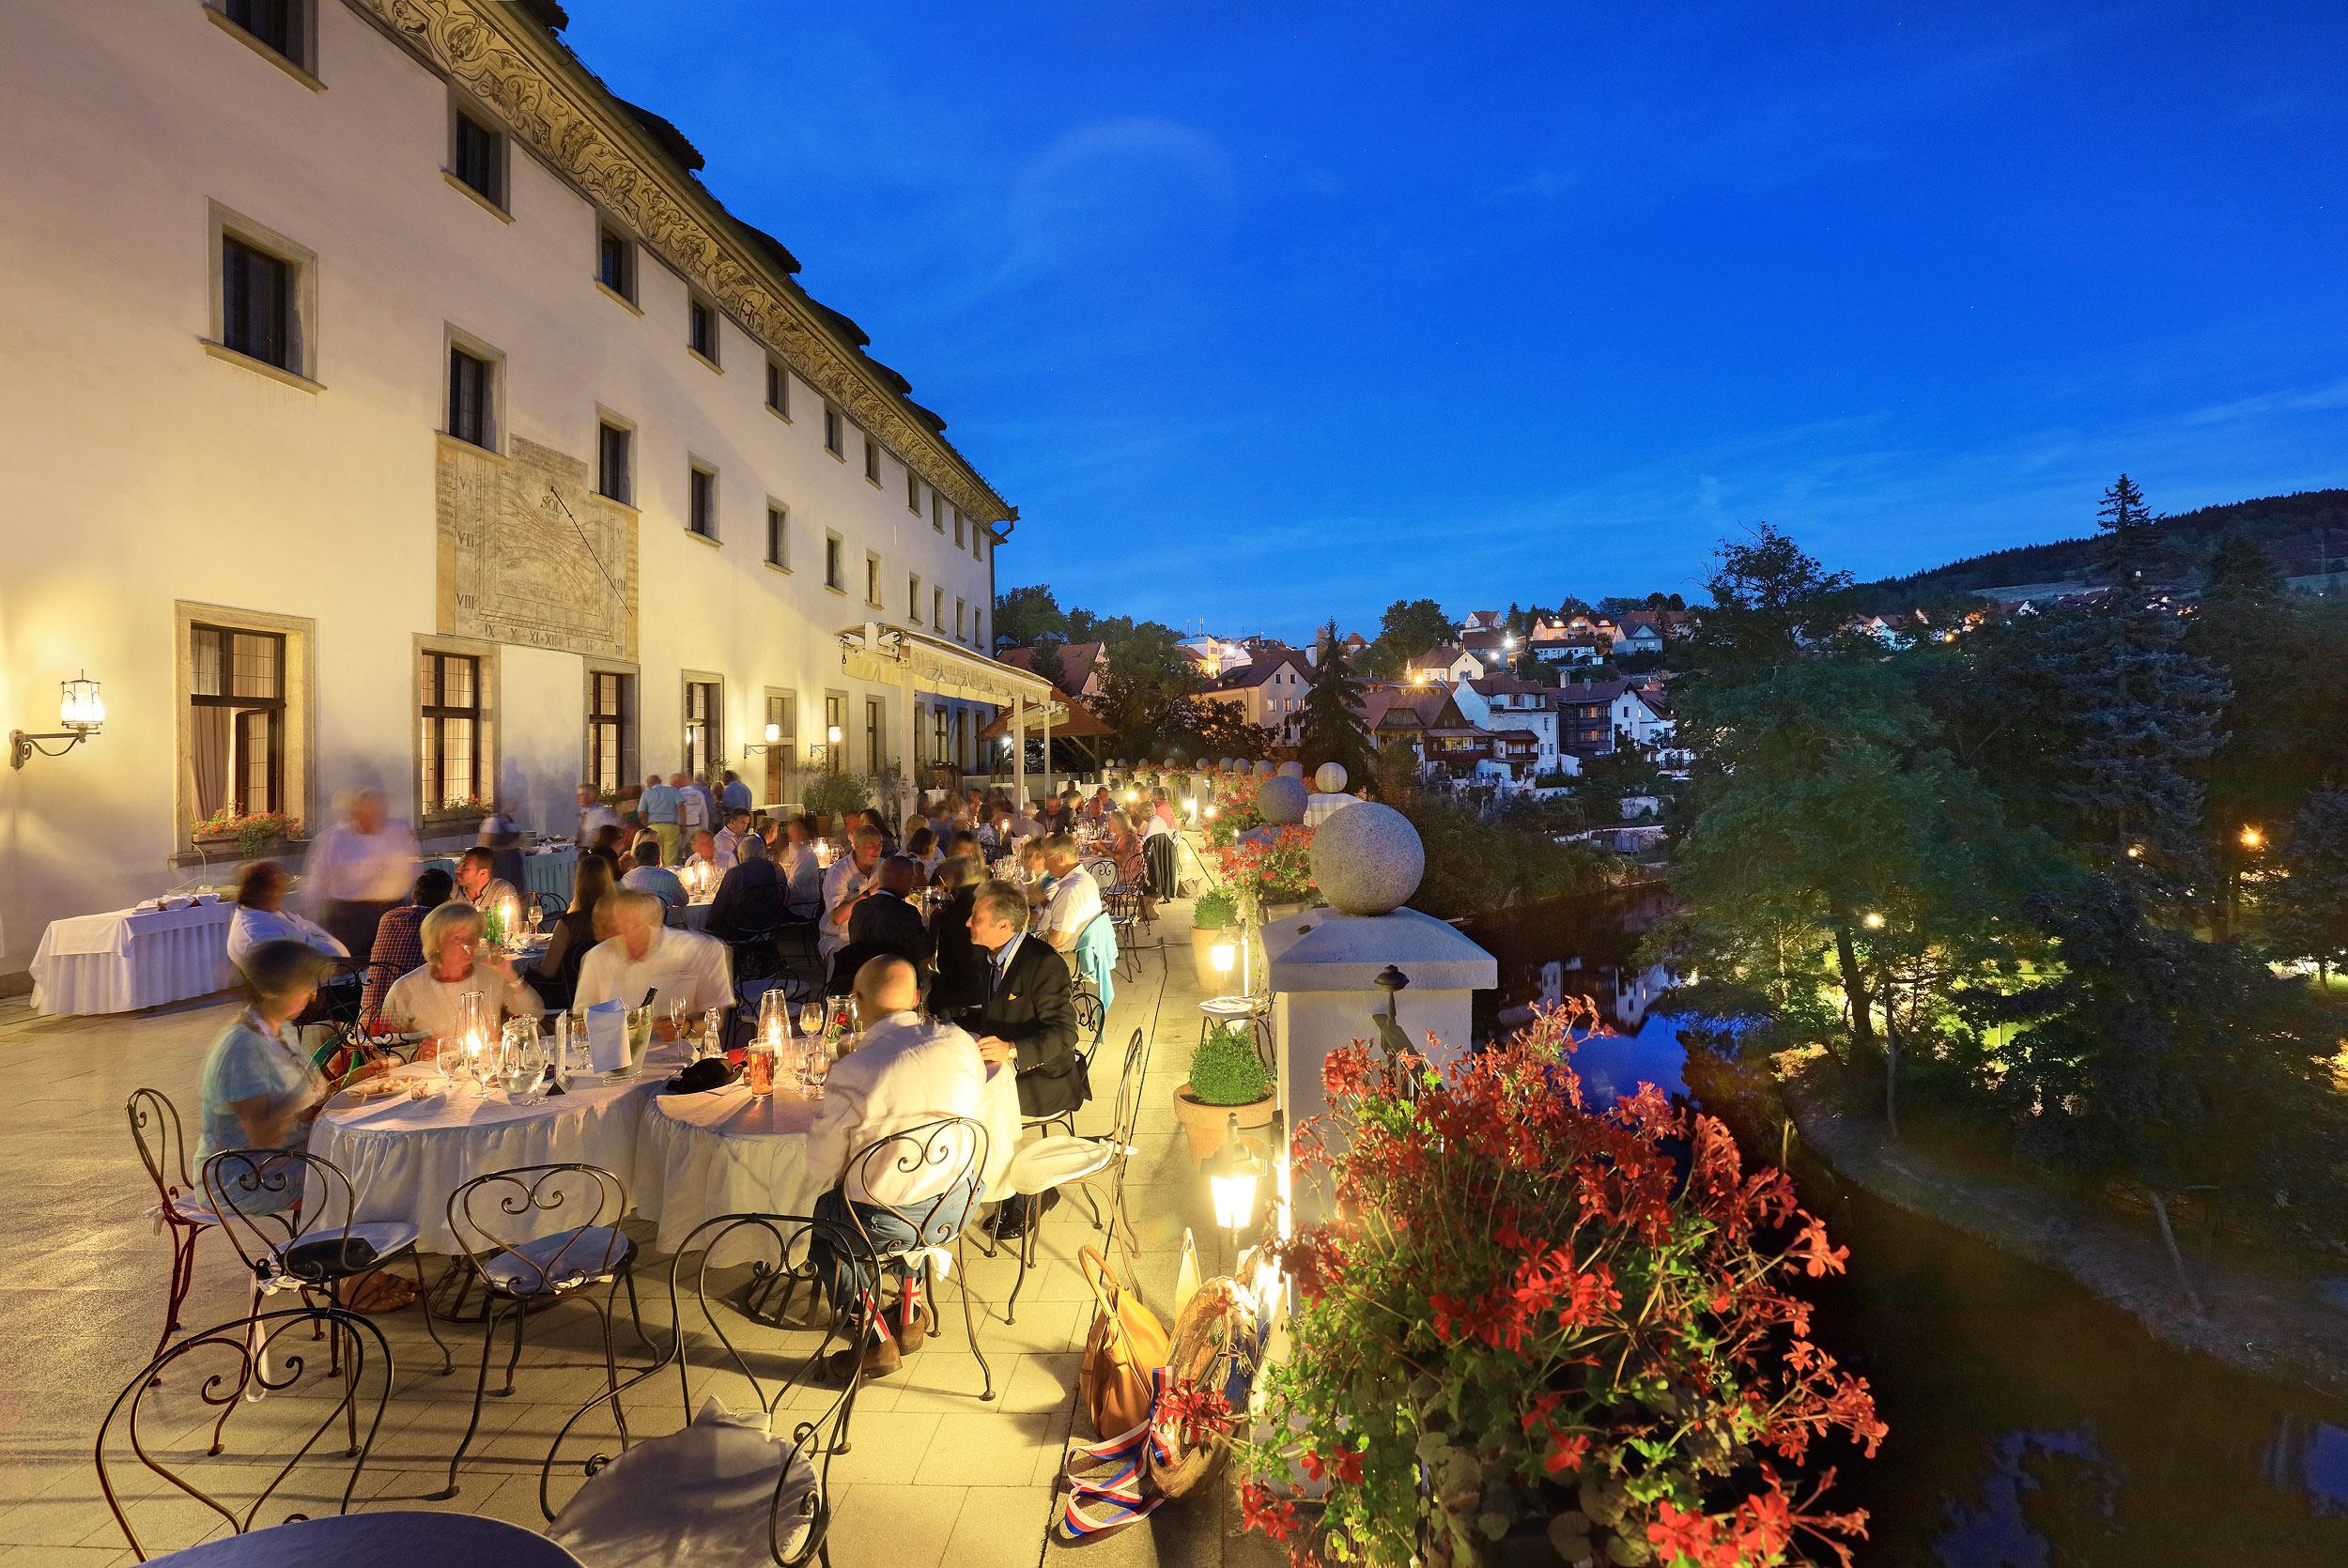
[[131, 957], [405, 1156], [729, 1152], [697, 914]]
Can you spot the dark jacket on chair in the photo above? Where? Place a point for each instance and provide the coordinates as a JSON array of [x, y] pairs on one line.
[[881, 924], [749, 900], [1035, 1010], [962, 970]]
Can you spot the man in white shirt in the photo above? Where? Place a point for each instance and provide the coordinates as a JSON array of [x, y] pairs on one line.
[[728, 841], [850, 877], [692, 807], [594, 816], [358, 869], [905, 1076], [478, 884], [645, 955], [1075, 896]]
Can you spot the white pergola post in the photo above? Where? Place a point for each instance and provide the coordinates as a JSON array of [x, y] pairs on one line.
[[1019, 752], [909, 733], [1047, 746]]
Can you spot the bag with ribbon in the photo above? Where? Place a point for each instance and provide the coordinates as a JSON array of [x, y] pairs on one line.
[[1205, 1386]]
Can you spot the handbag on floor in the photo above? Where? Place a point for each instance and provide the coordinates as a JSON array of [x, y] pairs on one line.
[[1126, 1345]]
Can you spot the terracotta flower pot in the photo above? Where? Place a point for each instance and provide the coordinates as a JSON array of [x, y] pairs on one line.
[[1207, 1125]]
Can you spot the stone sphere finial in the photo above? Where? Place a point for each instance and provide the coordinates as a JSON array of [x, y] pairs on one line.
[[1291, 770], [1263, 769], [1281, 802], [1329, 778], [1368, 859]]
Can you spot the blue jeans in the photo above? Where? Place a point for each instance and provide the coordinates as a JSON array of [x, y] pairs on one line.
[[847, 1277]]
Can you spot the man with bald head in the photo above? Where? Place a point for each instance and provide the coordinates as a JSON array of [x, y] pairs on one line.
[[907, 1074]]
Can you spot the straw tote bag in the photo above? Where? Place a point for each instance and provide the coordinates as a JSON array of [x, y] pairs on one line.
[[1127, 1344]]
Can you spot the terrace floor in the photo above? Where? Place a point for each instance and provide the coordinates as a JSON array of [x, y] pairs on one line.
[[935, 1476]]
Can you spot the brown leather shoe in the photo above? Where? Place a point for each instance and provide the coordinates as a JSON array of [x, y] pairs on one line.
[[879, 1359], [913, 1328]]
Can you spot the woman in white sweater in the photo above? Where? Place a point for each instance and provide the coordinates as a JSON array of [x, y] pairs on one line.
[[424, 1000]]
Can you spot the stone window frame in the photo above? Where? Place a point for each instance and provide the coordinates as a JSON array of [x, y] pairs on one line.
[[303, 68], [223, 224], [297, 785], [631, 717], [487, 656]]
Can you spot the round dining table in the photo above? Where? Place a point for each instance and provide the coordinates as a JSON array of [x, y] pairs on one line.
[[405, 1156], [727, 1151], [401, 1539]]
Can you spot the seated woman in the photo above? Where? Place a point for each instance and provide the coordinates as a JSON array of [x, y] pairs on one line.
[[260, 1091], [1133, 867], [921, 849], [261, 916], [574, 933], [425, 999]]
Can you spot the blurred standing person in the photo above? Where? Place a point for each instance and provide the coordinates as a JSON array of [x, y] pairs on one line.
[[594, 816], [659, 808], [358, 869], [736, 795], [692, 811]]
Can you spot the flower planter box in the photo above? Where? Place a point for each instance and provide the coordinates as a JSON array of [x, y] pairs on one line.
[[1207, 1126]]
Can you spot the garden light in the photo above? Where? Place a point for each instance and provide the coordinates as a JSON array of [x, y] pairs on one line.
[[1232, 1173], [2252, 837], [1873, 920]]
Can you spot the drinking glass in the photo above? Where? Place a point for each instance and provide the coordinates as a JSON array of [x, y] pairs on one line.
[[712, 1042], [811, 1019], [814, 1067], [759, 1069]]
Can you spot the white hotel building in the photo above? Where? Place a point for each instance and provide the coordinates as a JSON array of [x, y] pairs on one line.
[[386, 403]]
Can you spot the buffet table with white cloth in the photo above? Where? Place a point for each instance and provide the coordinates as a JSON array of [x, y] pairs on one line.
[[552, 870], [726, 1151], [129, 959], [404, 1157]]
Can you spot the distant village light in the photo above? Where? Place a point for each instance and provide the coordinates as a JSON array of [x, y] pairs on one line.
[[1873, 920], [2252, 837]]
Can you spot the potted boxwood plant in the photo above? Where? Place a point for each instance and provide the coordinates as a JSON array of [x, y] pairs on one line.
[[830, 797], [1227, 1078], [1214, 917]]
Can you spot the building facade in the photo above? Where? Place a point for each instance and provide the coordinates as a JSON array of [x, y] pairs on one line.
[[391, 406]]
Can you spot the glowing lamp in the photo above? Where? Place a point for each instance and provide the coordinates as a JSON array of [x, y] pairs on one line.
[[1131, 796], [1233, 1173], [1224, 954], [832, 734], [1873, 920], [2252, 837], [79, 713], [773, 734]]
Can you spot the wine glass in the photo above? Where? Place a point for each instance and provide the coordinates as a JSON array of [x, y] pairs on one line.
[[814, 1067], [811, 1019], [537, 920]]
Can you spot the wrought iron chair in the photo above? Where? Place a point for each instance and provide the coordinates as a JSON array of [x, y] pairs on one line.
[[720, 1488], [1121, 1135], [1124, 905], [1102, 870], [552, 906], [287, 1212], [242, 1360], [948, 1157], [519, 1274], [178, 1208]]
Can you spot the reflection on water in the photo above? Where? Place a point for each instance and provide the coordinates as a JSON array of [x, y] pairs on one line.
[[2031, 1426]]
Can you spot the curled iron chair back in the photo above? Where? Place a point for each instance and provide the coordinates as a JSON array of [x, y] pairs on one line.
[[786, 1247], [1121, 1135], [270, 1200], [494, 1216], [951, 1147], [163, 1145], [242, 1360]]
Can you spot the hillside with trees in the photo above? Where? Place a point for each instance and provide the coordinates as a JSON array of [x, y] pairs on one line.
[[2303, 534]]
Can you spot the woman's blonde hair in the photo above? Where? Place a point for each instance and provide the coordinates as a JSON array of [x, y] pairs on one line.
[[445, 923]]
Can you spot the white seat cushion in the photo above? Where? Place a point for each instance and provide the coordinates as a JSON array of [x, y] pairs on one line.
[[566, 1258], [701, 1494], [1050, 1162]]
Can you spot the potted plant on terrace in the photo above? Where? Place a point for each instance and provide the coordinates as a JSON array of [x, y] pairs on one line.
[[831, 797], [1226, 1079], [1213, 918], [1537, 1330]]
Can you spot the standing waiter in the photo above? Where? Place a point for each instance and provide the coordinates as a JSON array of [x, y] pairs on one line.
[[358, 869]]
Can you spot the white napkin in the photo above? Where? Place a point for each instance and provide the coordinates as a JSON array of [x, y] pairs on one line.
[[607, 1036]]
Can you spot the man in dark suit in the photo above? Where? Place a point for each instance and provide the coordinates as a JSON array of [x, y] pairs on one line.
[[1028, 1019], [884, 921]]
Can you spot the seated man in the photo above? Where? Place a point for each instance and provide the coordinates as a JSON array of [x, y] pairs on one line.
[[645, 956], [481, 887], [1028, 1019], [883, 921], [750, 898], [726, 846], [399, 943], [1075, 897], [907, 1073], [849, 878], [649, 876]]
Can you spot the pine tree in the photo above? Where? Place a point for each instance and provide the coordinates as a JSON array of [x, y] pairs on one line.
[[1334, 731], [2309, 916]]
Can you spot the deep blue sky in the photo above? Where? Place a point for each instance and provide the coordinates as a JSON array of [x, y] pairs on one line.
[[1265, 312]]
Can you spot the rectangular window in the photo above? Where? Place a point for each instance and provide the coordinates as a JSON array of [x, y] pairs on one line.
[[700, 329], [477, 157], [978, 534], [608, 718], [778, 537], [782, 722], [872, 581], [832, 564], [937, 513], [912, 492], [937, 737], [835, 731], [961, 620], [469, 385], [450, 731], [778, 388], [978, 630], [875, 726], [615, 261], [912, 600], [957, 527], [702, 513], [278, 23], [704, 745], [237, 694], [832, 442], [937, 608], [872, 460], [616, 463], [256, 304]]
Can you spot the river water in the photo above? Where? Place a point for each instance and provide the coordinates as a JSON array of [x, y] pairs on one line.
[[2031, 1426]]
